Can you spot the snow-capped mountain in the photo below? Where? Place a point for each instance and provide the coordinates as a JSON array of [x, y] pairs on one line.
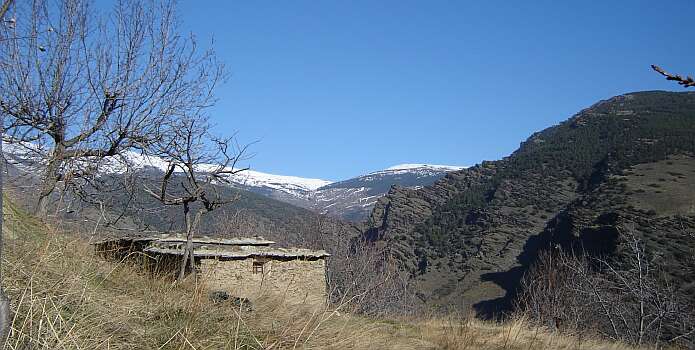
[[293, 185], [353, 199], [28, 158], [350, 199], [291, 189]]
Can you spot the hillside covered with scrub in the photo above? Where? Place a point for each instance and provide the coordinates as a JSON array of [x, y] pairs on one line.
[[64, 297], [613, 185]]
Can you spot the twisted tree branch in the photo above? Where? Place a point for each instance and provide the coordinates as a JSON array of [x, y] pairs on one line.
[[686, 82]]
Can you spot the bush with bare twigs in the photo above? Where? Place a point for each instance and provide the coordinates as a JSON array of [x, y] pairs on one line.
[[628, 300]]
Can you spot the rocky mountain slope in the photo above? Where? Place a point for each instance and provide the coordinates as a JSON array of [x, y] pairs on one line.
[[626, 163], [353, 199]]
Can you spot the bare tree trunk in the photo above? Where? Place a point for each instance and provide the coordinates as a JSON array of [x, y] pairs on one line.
[[189, 240], [50, 179], [42, 203], [48, 185], [4, 300], [191, 257], [5, 317], [188, 256]]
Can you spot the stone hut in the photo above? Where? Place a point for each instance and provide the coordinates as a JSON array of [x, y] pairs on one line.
[[242, 267]]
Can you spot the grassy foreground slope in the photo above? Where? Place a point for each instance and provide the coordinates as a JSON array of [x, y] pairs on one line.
[[66, 298]]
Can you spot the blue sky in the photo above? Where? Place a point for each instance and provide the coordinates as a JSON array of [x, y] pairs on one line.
[[333, 89]]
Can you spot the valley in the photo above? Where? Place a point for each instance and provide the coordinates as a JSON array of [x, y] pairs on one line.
[[464, 238], [347, 175]]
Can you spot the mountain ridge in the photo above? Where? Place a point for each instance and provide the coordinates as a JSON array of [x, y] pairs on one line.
[[350, 199], [469, 237]]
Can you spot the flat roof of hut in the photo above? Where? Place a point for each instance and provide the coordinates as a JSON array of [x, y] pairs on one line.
[[179, 238], [235, 251], [207, 247]]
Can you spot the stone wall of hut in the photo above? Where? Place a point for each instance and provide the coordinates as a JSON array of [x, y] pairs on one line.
[[297, 280]]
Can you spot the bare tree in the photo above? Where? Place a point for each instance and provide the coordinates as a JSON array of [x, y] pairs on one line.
[[79, 86], [197, 164]]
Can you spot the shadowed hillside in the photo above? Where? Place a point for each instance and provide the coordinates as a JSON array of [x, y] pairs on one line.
[[626, 161]]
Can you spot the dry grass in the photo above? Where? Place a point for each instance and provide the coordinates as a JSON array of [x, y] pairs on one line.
[[66, 298], [470, 333]]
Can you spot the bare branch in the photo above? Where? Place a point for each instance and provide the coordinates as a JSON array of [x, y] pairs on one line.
[[686, 82]]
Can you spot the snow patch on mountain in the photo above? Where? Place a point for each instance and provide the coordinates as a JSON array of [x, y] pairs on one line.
[[425, 166], [257, 178], [249, 178], [28, 156]]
